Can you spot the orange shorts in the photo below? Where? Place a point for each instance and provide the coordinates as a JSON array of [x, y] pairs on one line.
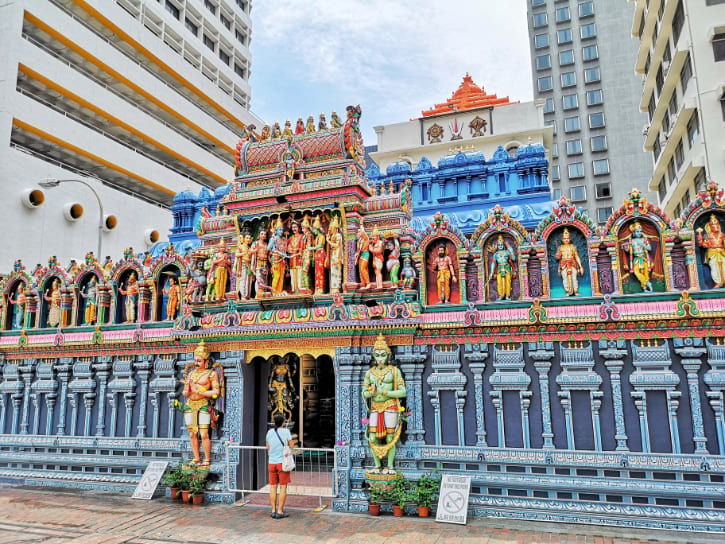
[[277, 475]]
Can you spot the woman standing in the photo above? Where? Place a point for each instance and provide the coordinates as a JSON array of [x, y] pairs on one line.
[[277, 439]]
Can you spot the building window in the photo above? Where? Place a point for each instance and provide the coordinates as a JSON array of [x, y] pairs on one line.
[[678, 211], [686, 74], [693, 129], [172, 9], [714, 2], [603, 214], [659, 80], [678, 20], [598, 143], [718, 46], [568, 79], [700, 180], [586, 9], [555, 172], [191, 27], [562, 14], [570, 101], [540, 19], [578, 193], [555, 194], [603, 190], [226, 22], [588, 31], [549, 105], [535, 3], [242, 4], [685, 199], [224, 56], [554, 150], [651, 105], [211, 7], [592, 75], [240, 36], [656, 149], [543, 62], [590, 52], [671, 171], [241, 72], [594, 97], [600, 167], [573, 147], [722, 105], [563, 35], [596, 120], [545, 83], [672, 106], [572, 124], [679, 154], [551, 124], [566, 57], [662, 189], [211, 44], [541, 40], [576, 170]]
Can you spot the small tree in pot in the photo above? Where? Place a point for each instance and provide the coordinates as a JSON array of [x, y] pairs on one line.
[[185, 485], [426, 490], [400, 494], [379, 492], [197, 487], [173, 479]]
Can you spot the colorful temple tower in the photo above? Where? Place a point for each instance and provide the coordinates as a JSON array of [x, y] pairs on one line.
[[574, 371]]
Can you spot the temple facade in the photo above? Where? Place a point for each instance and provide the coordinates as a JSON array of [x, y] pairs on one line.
[[575, 371]]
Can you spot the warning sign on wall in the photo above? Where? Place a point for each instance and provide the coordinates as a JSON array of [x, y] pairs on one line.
[[453, 499]]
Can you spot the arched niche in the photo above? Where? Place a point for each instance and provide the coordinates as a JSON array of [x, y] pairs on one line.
[[501, 258], [710, 252], [168, 276], [568, 263], [123, 301], [438, 273], [15, 309], [640, 257], [50, 292], [85, 297]]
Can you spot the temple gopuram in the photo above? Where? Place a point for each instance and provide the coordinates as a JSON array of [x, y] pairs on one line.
[[575, 371]]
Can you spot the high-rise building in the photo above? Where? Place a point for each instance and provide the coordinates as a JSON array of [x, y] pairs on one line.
[[581, 58], [142, 99], [681, 60]]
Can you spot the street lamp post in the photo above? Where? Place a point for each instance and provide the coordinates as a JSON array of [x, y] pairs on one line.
[[52, 182]]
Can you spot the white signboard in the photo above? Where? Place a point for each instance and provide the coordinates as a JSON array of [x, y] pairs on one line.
[[150, 480], [453, 499]]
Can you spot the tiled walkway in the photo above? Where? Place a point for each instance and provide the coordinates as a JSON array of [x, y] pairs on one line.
[[50, 517]]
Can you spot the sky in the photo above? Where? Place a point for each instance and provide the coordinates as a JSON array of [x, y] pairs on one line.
[[393, 57]]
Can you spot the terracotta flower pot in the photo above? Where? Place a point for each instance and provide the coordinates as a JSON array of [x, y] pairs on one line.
[[397, 511], [174, 493], [374, 508], [423, 511], [198, 498], [186, 495]]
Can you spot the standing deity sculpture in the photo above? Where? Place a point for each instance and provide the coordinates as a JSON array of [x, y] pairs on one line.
[[131, 294], [294, 249], [300, 126], [322, 125], [383, 387], [266, 134], [260, 252], [172, 298], [638, 251], [52, 296], [90, 295], [393, 262], [335, 121], [19, 302], [277, 254], [276, 132], [287, 130], [335, 255], [715, 245], [377, 248], [307, 244], [203, 389], [445, 273], [310, 129], [503, 268], [198, 283], [362, 256], [243, 264], [220, 270], [408, 274], [319, 247], [570, 265], [282, 394]]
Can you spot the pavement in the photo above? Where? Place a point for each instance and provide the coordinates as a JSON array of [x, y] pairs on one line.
[[30, 515]]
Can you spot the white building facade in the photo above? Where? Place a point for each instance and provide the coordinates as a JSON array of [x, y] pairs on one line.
[[681, 60], [141, 99]]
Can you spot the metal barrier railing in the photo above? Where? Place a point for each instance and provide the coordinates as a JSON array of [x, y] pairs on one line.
[[315, 474]]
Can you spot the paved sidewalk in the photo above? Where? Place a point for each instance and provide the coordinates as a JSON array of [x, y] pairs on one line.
[[61, 517]]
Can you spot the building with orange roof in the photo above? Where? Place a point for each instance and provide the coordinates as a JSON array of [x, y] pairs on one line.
[[468, 96]]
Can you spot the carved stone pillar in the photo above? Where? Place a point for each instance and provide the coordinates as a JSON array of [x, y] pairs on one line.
[[144, 302], [715, 380], [476, 355], [411, 360], [691, 350], [447, 376], [542, 354], [163, 382], [613, 352], [45, 385], [66, 307], [143, 369], [124, 384], [102, 368], [104, 304], [63, 369], [27, 370], [509, 375]]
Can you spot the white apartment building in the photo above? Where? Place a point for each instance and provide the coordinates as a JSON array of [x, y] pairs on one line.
[[139, 98], [682, 63]]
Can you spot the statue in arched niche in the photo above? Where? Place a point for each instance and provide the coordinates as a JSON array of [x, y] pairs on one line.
[[19, 303], [52, 297], [442, 271], [282, 394], [641, 258], [501, 262], [570, 264], [89, 293], [714, 245], [131, 294]]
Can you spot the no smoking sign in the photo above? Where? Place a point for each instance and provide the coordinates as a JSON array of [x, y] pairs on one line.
[[453, 499]]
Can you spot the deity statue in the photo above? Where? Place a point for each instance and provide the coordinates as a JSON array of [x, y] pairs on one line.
[[715, 245], [384, 387], [443, 267], [362, 255], [172, 301], [198, 283], [266, 134], [73, 268], [322, 125], [244, 265], [320, 255], [335, 121], [260, 253], [210, 284], [570, 265], [408, 274], [107, 267], [300, 126], [336, 248], [276, 131], [377, 248], [90, 295], [640, 261], [308, 242], [393, 262], [131, 294], [503, 267], [203, 386], [282, 393], [277, 253], [310, 125], [19, 303], [287, 130], [52, 295], [220, 270], [294, 248]]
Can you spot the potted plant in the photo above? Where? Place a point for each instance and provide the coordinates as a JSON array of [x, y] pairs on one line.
[[196, 488], [379, 492], [400, 495], [426, 489], [185, 485], [172, 479]]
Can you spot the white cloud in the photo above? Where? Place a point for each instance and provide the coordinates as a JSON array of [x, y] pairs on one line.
[[395, 58]]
